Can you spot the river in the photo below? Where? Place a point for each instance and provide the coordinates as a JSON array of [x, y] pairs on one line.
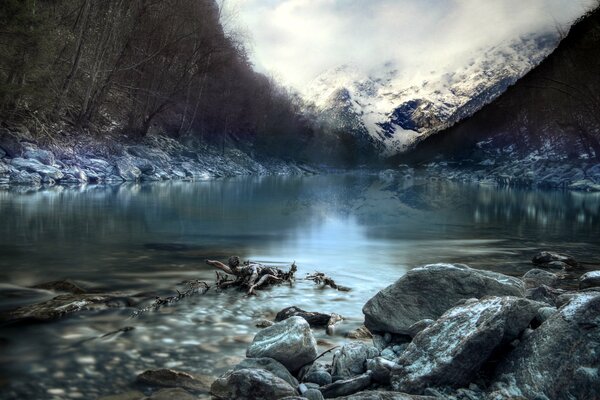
[[364, 230]]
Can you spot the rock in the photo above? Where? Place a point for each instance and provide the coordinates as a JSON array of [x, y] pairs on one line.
[[171, 394], [74, 174], [418, 326], [2, 153], [132, 395], [351, 360], [64, 285], [34, 166], [559, 360], [538, 277], [385, 395], [313, 394], [62, 305], [317, 374], [249, 384], [314, 319], [263, 323], [545, 257], [44, 156], [589, 279], [544, 313], [389, 354], [381, 369], [176, 379], [10, 143], [268, 364], [427, 292], [25, 178], [544, 294], [450, 351], [127, 170], [347, 387], [360, 333], [290, 342], [585, 185]]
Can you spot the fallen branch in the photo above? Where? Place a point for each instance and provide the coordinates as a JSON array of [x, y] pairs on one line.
[[192, 288], [321, 279]]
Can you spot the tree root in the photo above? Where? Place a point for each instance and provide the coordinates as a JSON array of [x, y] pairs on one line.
[[321, 279]]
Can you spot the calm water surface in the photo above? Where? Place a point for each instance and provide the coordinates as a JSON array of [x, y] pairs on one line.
[[363, 230]]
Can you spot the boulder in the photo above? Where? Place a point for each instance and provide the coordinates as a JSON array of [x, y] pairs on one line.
[[546, 257], [418, 326], [34, 166], [268, 364], [171, 394], [544, 294], [560, 359], [290, 342], [10, 143], [347, 387], [351, 360], [74, 174], [64, 285], [249, 384], [175, 379], [381, 369], [589, 279], [360, 333], [44, 156], [427, 292], [454, 348], [25, 178], [385, 395], [317, 374], [538, 277], [127, 170]]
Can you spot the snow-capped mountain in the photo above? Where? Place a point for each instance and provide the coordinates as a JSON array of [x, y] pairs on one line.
[[393, 108]]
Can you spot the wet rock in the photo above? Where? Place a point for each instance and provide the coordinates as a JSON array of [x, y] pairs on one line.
[[127, 170], [133, 395], [34, 166], [538, 277], [589, 279], [418, 326], [263, 323], [44, 156], [25, 178], [559, 360], [64, 285], [74, 174], [427, 292], [290, 342], [249, 384], [171, 394], [585, 185], [385, 395], [347, 387], [544, 294], [351, 360], [313, 394], [360, 333], [314, 319], [381, 369], [268, 364], [450, 351], [545, 257], [63, 305], [317, 374], [545, 313], [175, 379]]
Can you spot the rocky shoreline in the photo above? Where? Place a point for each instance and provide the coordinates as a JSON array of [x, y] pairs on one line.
[[88, 160], [442, 331]]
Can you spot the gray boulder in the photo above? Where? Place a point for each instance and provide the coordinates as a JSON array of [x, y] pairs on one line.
[[537, 277], [34, 166], [450, 351], [44, 156], [25, 178], [351, 360], [546, 257], [317, 374], [418, 326], [427, 292], [589, 279], [250, 384], [268, 364], [74, 174], [545, 294], [347, 387], [559, 360], [381, 369], [127, 170], [290, 342]]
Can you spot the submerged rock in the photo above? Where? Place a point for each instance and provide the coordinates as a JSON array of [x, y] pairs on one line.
[[385, 395], [589, 279], [268, 364], [290, 342], [176, 379], [560, 359], [546, 257], [64, 285], [427, 292], [450, 351], [250, 384], [537, 277], [351, 360]]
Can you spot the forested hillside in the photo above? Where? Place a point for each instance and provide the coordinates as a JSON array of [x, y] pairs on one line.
[[131, 67]]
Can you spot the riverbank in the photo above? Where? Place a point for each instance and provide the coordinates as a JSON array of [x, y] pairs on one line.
[[70, 159]]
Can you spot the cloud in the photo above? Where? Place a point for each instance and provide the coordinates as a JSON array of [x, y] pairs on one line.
[[297, 39]]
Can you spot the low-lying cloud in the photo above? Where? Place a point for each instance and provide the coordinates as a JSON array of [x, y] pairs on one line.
[[298, 39]]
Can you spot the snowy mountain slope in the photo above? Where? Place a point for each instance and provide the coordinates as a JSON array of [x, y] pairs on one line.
[[394, 109]]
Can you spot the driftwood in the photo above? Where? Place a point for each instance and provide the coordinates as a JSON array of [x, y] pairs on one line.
[[191, 288], [250, 275], [321, 279], [314, 319]]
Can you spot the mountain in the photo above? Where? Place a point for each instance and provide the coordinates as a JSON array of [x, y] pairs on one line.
[[551, 115], [392, 110]]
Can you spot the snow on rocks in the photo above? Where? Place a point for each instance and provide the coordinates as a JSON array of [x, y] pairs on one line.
[[451, 350], [427, 292]]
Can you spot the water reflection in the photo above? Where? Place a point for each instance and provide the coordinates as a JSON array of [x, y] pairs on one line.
[[364, 231]]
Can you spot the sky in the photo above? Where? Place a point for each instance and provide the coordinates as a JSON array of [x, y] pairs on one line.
[[296, 40]]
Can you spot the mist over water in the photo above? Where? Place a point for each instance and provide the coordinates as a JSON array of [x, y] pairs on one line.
[[363, 230]]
